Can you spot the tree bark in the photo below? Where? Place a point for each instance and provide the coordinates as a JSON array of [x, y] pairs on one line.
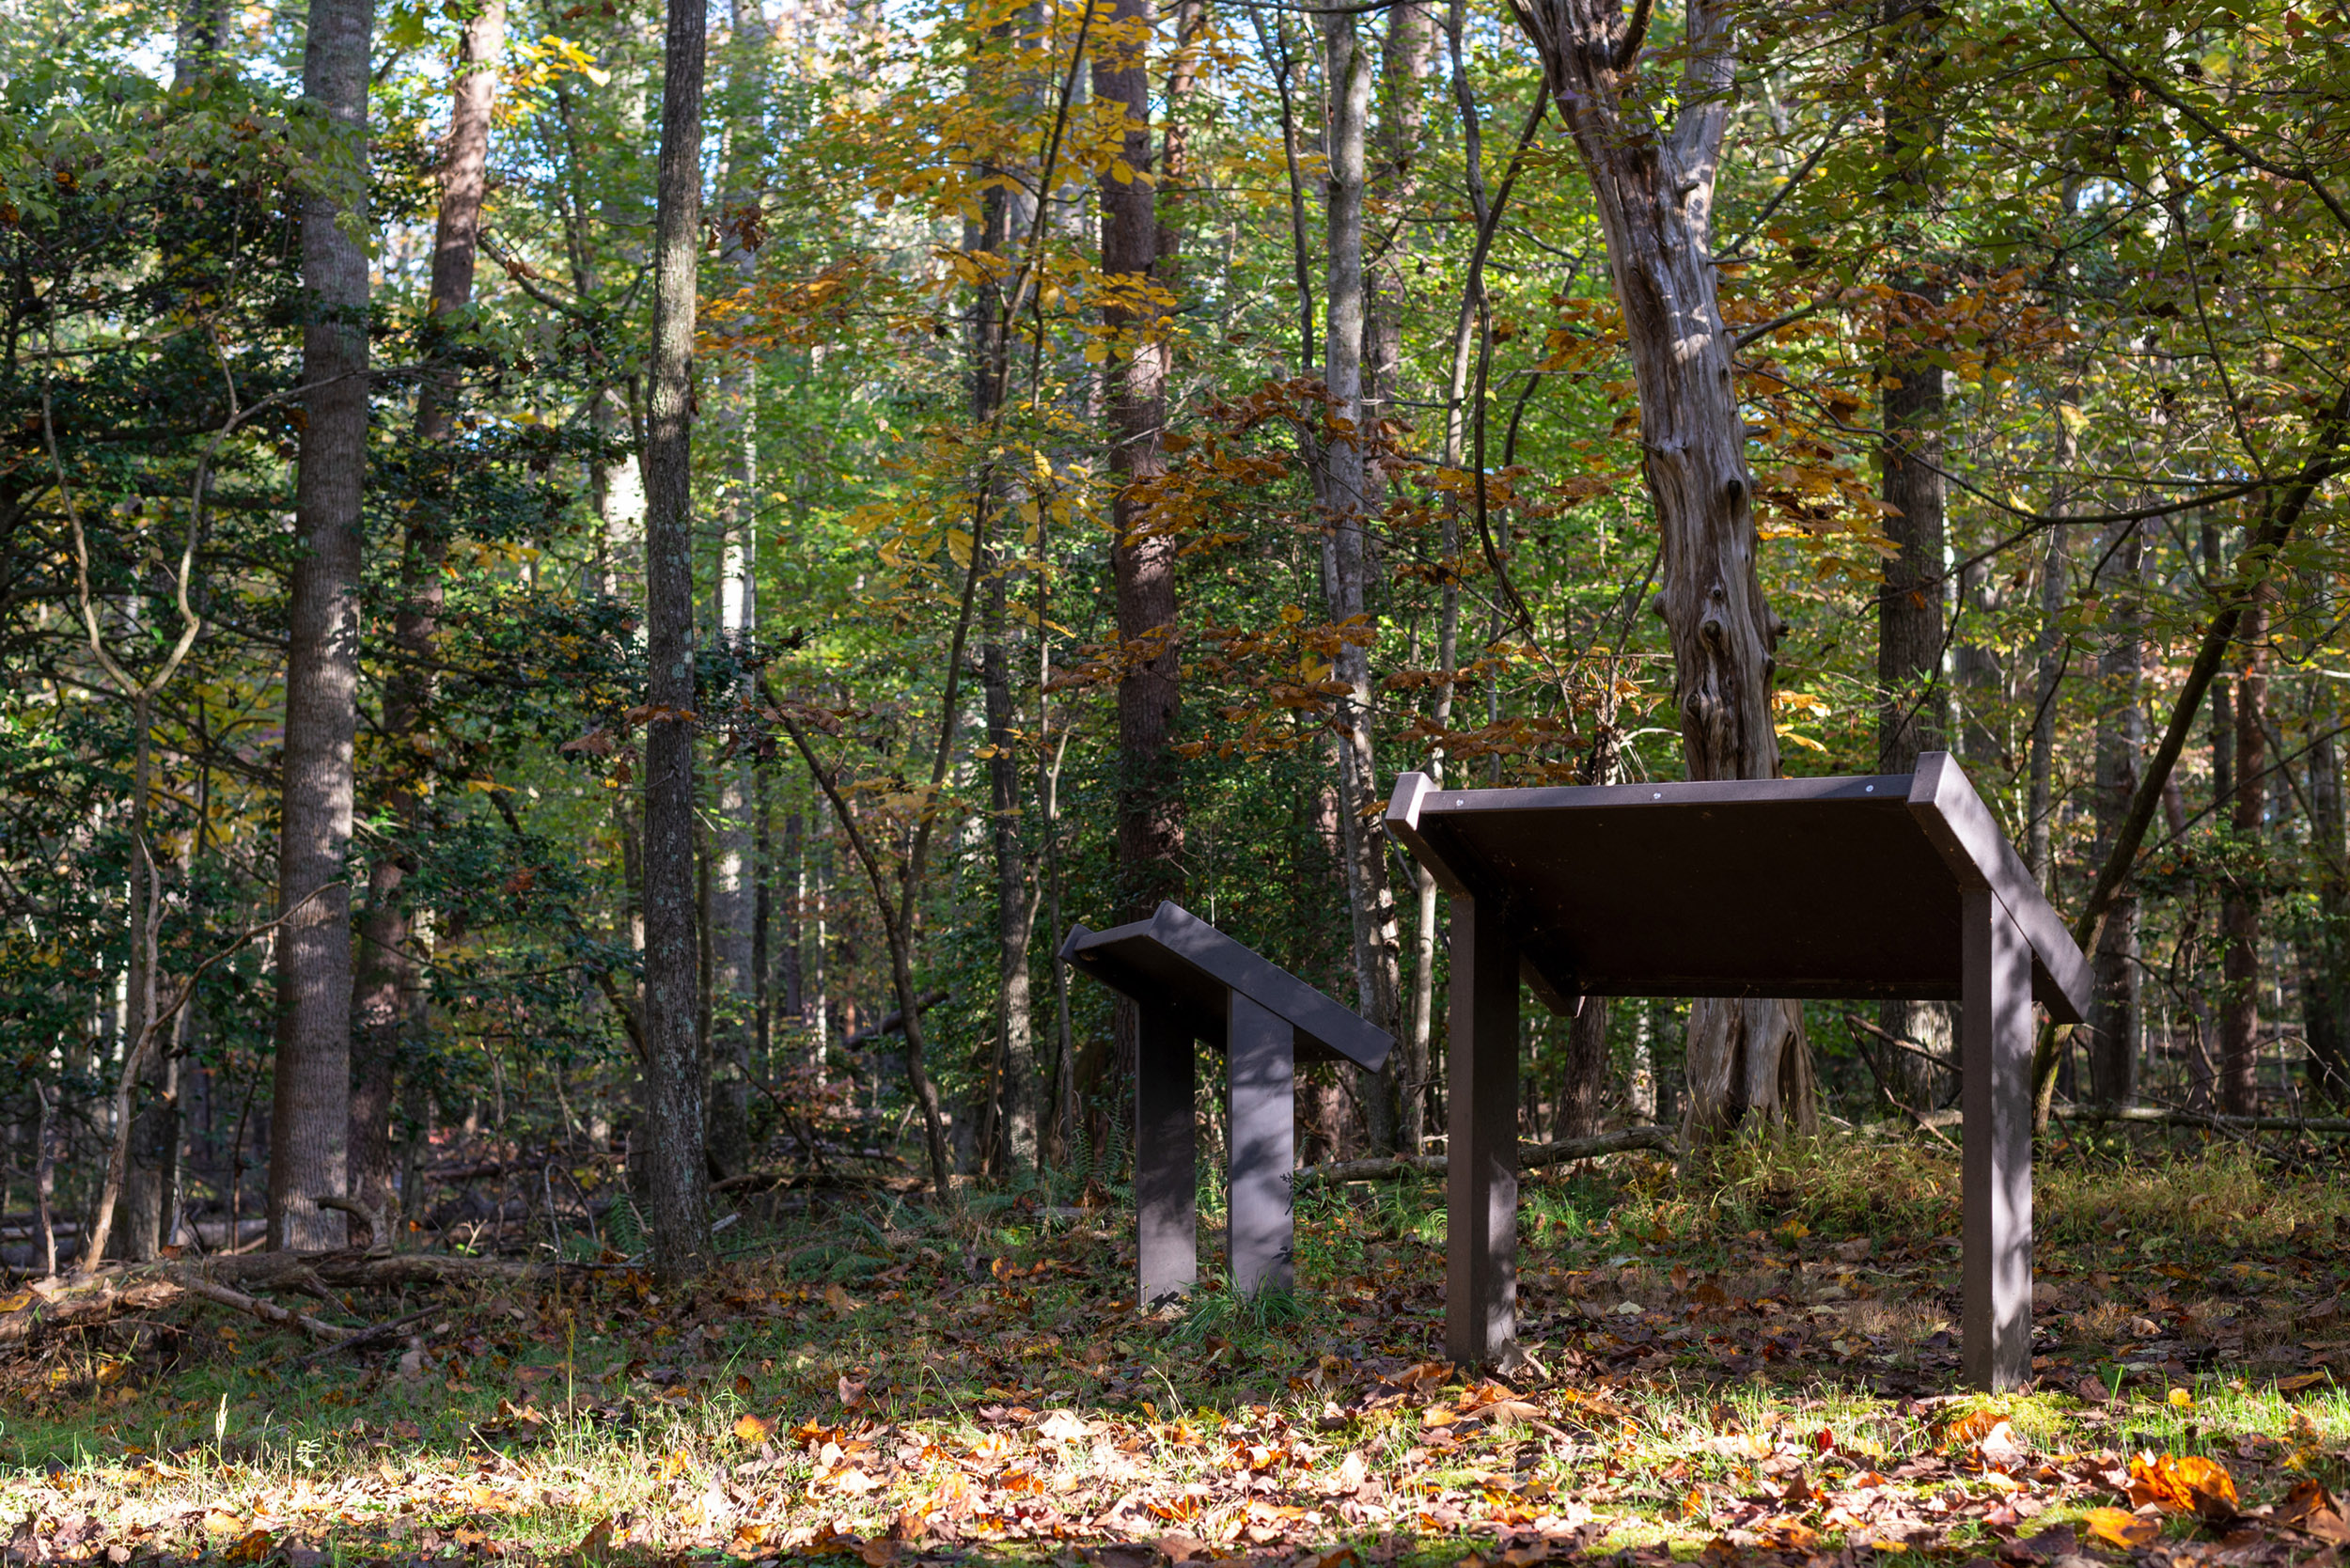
[[1142, 563], [677, 1174], [1748, 1059], [389, 977], [2114, 1023], [2240, 905], [1347, 498], [2325, 953], [1394, 183], [310, 1097], [1912, 599]]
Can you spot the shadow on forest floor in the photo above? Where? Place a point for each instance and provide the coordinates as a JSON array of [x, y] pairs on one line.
[[1761, 1364]]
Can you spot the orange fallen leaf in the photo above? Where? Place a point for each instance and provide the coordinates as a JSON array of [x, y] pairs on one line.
[[2188, 1483], [749, 1538], [1971, 1428], [2295, 1385], [753, 1429], [2119, 1527]]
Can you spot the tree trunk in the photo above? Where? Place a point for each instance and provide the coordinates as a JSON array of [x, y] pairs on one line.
[[2240, 905], [1748, 1059], [2114, 1025], [2325, 953], [1347, 486], [1009, 1120], [387, 995], [1142, 566], [1912, 600], [1394, 184], [311, 1091], [678, 1185]]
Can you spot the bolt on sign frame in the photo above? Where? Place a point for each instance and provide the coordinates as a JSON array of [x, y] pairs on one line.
[[1190, 981], [1895, 886]]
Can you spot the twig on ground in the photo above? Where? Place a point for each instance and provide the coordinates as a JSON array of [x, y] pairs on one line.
[[1531, 1155]]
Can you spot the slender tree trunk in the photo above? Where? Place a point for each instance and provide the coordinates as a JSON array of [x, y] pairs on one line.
[[1912, 599], [2114, 1025], [677, 1186], [389, 979], [1394, 185], [2240, 906], [1008, 1123], [310, 1110], [1748, 1059], [2324, 952], [1347, 486]]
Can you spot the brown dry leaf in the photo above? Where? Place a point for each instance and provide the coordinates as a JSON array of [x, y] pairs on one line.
[[1062, 1426], [595, 1548], [748, 1538], [742, 1386], [2310, 1508], [253, 1546], [840, 1301], [2119, 1527], [2184, 1484], [1181, 1548], [753, 1429], [879, 1554]]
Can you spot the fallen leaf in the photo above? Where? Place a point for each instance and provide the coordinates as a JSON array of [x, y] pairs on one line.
[[2119, 1527], [839, 1300], [879, 1554], [2304, 1380], [1062, 1426], [753, 1429], [2182, 1399], [251, 1548], [595, 1548], [1181, 1548], [2184, 1484]]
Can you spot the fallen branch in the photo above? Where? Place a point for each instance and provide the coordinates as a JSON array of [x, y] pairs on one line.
[[268, 1311], [1530, 1156], [2329, 1126], [366, 1337]]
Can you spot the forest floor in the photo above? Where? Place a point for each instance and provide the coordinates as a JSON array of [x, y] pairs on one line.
[[1755, 1367]]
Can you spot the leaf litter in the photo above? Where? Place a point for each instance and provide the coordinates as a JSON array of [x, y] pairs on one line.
[[1780, 1395]]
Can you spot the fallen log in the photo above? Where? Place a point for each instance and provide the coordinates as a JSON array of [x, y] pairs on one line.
[[2329, 1126], [1530, 1156]]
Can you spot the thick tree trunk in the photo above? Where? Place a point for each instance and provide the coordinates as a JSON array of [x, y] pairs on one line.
[[386, 995], [678, 1176], [1748, 1059], [2240, 908], [1347, 497], [1142, 565], [311, 1091], [2114, 1023]]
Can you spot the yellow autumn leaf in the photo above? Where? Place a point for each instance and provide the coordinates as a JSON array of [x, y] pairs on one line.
[[2119, 1527], [753, 1429]]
